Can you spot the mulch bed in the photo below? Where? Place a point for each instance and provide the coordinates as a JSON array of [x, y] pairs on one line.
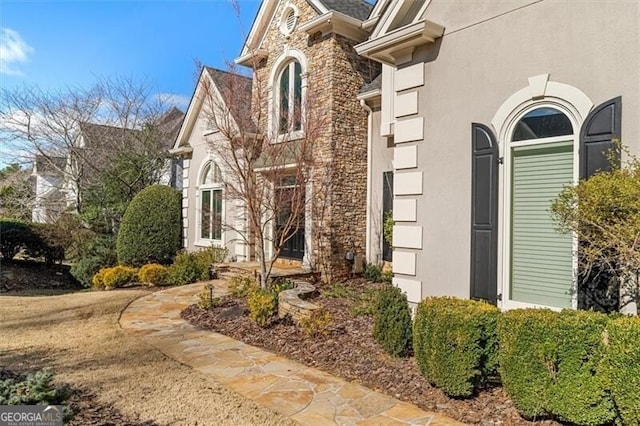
[[349, 351], [19, 275]]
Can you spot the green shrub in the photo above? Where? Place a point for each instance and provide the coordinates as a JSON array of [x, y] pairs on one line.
[[34, 389], [281, 285], [392, 322], [373, 273], [189, 267], [337, 291], [151, 227], [118, 276], [387, 228], [207, 301], [48, 241], [92, 252], [387, 276], [317, 323], [14, 236], [550, 364], [455, 343], [241, 285], [153, 274], [622, 367], [365, 303], [262, 306]]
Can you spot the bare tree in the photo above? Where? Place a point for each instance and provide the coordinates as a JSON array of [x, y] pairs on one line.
[[278, 175], [116, 121]]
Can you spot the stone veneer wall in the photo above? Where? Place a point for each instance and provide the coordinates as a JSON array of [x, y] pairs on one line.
[[335, 74]]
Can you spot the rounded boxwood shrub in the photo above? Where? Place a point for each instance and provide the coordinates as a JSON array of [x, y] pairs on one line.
[[392, 322], [455, 343], [153, 274], [151, 227], [550, 364], [189, 267], [263, 305], [622, 367], [118, 276]]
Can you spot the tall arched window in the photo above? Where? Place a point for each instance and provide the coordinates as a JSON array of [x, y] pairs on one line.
[[290, 98], [540, 164], [211, 202]]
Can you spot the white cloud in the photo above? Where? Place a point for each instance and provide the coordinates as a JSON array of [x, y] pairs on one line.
[[174, 99], [13, 51]]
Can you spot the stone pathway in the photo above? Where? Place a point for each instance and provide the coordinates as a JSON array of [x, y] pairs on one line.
[[301, 393]]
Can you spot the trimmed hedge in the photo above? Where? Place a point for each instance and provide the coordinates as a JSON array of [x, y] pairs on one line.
[[622, 367], [189, 267], [151, 227], [392, 322], [455, 343], [550, 364]]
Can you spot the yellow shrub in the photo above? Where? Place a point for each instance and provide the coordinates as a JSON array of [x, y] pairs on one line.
[[153, 274], [98, 278], [318, 323], [119, 276]]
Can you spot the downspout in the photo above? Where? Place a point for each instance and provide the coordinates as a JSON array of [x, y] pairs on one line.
[[364, 105]]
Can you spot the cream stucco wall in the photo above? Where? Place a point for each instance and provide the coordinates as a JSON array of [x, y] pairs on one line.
[[488, 52], [199, 140]]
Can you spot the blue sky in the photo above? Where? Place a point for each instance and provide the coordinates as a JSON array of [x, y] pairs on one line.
[[57, 43]]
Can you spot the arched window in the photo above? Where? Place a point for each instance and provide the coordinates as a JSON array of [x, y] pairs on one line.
[[290, 98], [540, 164], [211, 209]]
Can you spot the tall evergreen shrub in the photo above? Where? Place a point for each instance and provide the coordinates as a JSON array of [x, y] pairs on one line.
[[151, 227]]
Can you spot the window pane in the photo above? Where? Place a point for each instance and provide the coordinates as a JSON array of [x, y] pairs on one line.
[[284, 100], [205, 174], [205, 218], [542, 123], [217, 174], [297, 96], [216, 224]]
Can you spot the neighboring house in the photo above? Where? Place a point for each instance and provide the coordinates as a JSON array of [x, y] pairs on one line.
[[486, 112], [48, 177], [302, 55], [61, 181], [209, 216]]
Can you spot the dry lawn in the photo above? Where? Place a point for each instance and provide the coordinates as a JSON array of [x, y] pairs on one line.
[[78, 336]]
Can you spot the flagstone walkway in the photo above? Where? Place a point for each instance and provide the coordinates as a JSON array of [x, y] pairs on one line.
[[301, 393]]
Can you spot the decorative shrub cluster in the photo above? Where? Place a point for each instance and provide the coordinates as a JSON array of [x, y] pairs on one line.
[[455, 343], [318, 323], [241, 285], [580, 367], [151, 227], [153, 274], [116, 277], [263, 304], [92, 252], [188, 268], [392, 322]]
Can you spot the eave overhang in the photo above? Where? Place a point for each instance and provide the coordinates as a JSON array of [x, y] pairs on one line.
[[337, 23], [396, 46], [183, 151], [370, 95], [252, 58]]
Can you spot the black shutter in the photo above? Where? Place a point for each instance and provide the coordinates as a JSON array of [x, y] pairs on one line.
[[597, 287], [602, 125], [484, 214]]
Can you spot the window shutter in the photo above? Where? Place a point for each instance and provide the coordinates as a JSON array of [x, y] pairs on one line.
[[602, 125], [484, 214], [596, 288]]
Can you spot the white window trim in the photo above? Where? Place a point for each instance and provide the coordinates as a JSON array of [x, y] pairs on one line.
[[539, 93], [273, 95], [198, 240], [283, 19]]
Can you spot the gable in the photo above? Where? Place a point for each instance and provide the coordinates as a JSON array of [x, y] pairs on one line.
[[270, 13], [230, 91]]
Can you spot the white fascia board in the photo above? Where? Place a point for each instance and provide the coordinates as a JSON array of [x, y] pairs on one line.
[[336, 22]]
